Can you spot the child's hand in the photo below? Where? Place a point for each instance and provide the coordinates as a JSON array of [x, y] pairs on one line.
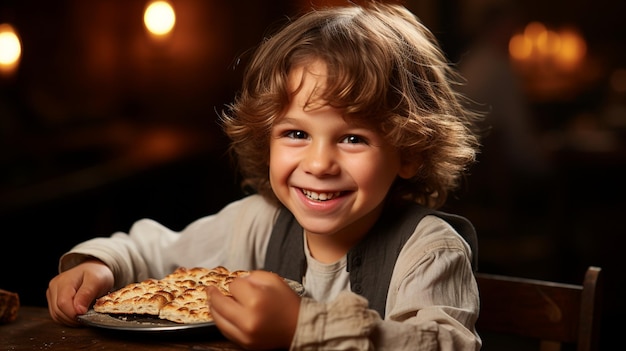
[[262, 313], [70, 293]]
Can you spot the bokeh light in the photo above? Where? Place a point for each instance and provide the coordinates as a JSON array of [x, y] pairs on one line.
[[10, 48], [159, 18]]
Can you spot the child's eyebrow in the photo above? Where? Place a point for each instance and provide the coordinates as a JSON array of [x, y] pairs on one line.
[[284, 120]]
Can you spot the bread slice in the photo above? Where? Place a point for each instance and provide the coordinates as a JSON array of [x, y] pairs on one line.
[[179, 297]]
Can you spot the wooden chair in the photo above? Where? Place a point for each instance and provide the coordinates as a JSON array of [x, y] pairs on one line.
[[548, 315]]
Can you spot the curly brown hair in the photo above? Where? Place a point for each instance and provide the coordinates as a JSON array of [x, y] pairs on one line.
[[385, 69]]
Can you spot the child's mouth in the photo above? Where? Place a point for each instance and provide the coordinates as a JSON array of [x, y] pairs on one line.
[[320, 196]]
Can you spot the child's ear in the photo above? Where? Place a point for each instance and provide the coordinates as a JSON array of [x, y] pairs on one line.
[[409, 168]]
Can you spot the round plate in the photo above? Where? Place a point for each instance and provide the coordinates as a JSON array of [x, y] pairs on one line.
[[135, 322]]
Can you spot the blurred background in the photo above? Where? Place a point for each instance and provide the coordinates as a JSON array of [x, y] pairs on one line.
[[108, 115]]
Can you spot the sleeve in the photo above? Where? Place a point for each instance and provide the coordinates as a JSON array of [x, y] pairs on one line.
[[236, 237], [343, 324], [348, 324], [432, 302]]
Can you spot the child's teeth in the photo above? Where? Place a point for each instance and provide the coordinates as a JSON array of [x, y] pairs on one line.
[[320, 196]]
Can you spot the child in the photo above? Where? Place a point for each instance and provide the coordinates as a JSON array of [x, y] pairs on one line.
[[350, 131]]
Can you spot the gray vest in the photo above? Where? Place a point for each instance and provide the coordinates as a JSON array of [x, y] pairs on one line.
[[372, 260]]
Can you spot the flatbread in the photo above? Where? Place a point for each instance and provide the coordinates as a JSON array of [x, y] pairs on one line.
[[192, 306], [179, 297]]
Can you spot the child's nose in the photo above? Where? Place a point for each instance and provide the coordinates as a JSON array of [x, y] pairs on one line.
[[320, 160]]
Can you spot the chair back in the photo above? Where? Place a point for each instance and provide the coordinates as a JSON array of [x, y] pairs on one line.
[[552, 313]]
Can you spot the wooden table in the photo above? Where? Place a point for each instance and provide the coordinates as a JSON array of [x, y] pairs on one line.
[[35, 330]]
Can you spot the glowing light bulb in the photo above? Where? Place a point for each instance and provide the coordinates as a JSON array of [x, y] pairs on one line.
[[159, 18], [10, 47]]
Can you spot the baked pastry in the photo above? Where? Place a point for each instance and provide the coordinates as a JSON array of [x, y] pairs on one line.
[[179, 297]]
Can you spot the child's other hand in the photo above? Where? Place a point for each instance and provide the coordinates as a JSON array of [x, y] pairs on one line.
[[70, 293], [262, 313]]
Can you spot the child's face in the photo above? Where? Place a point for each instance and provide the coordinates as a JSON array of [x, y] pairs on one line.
[[331, 173]]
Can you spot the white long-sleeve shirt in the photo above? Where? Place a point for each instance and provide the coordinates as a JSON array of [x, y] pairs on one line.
[[432, 303]]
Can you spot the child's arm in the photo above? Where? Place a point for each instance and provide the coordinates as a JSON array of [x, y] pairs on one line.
[[235, 237]]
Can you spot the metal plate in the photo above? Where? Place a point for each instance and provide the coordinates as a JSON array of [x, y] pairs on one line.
[[134, 322]]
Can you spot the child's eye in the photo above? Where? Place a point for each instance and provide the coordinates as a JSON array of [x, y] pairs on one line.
[[296, 134], [353, 139]]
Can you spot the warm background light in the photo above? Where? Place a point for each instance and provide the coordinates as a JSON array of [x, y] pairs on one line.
[[540, 45], [533, 30], [10, 48], [520, 47], [553, 62], [573, 49], [159, 17]]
